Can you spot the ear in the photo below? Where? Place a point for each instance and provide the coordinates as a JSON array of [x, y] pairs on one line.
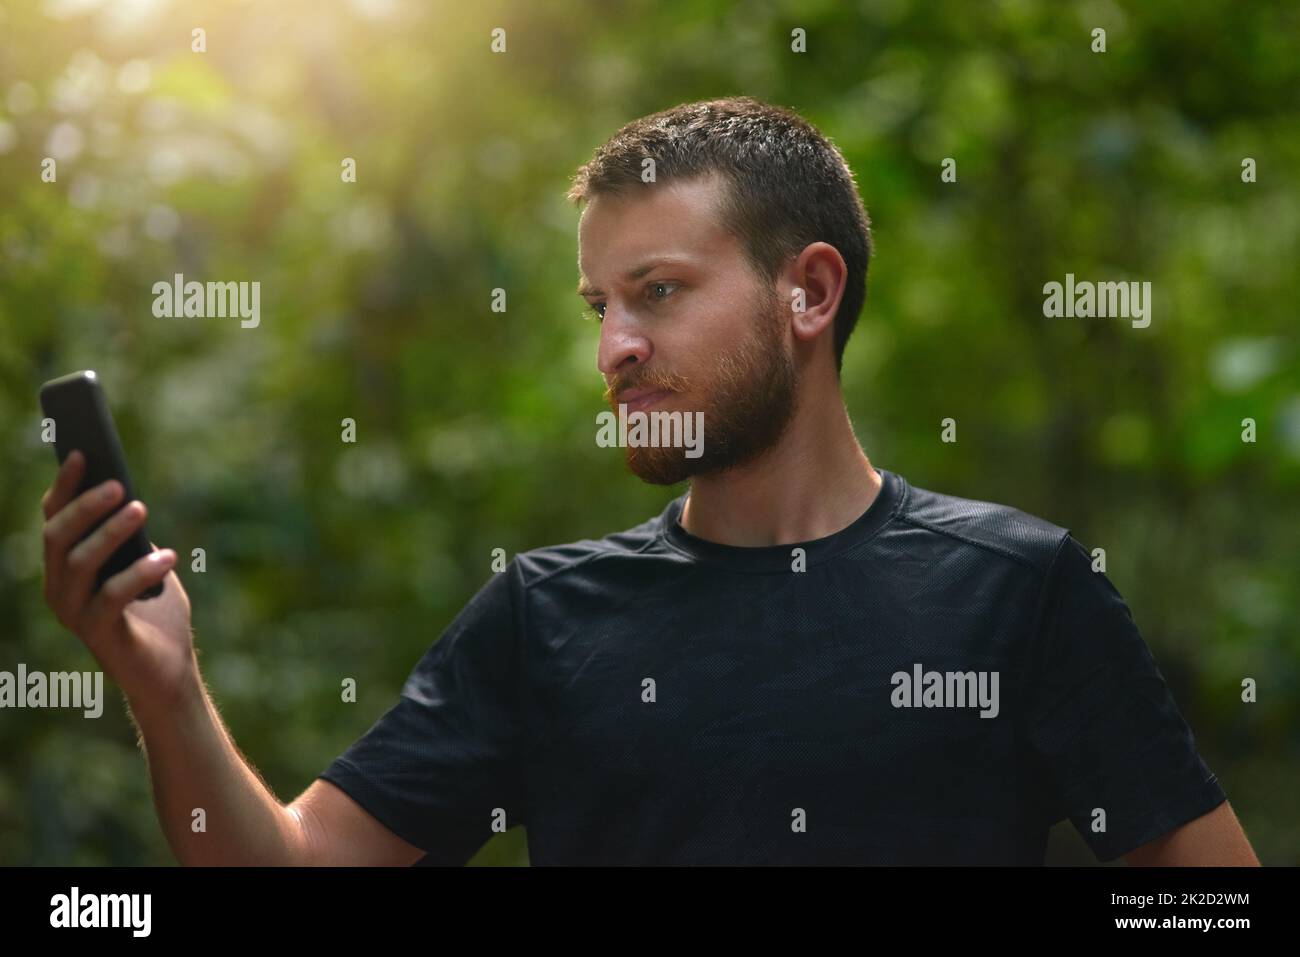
[[816, 279]]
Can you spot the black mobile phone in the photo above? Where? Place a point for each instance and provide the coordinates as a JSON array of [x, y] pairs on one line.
[[82, 421]]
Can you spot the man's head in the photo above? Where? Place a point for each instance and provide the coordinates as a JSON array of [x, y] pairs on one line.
[[695, 273]]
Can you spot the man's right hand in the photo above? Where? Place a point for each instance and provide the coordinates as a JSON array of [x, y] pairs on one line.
[[147, 648], [144, 646]]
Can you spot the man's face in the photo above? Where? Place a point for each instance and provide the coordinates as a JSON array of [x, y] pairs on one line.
[[687, 325]]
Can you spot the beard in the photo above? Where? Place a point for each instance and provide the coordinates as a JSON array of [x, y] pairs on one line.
[[747, 405]]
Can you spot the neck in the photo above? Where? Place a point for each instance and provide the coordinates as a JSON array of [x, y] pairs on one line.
[[814, 482]]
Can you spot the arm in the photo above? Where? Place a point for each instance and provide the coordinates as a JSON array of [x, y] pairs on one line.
[[337, 831], [1105, 727], [194, 763], [147, 648], [1214, 839]]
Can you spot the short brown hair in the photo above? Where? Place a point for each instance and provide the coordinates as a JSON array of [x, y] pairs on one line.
[[787, 184]]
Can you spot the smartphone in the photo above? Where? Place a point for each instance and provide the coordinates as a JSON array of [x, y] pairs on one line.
[[82, 421]]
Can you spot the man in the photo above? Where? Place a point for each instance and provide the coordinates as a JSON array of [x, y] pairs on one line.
[[804, 659]]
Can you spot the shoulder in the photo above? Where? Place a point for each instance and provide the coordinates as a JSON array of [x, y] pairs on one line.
[[539, 565], [984, 526]]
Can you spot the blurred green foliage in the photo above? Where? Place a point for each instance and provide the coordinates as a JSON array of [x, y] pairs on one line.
[[328, 560]]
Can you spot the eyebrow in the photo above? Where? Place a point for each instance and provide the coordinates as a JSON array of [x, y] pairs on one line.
[[586, 289]]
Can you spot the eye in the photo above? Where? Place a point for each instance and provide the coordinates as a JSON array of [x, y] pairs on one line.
[[654, 288], [598, 310]]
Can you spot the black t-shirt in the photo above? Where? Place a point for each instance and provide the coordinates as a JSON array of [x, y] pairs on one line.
[[939, 682]]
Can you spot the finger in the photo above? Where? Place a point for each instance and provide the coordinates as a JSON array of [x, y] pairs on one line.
[[65, 483], [72, 522], [123, 588], [86, 558], [69, 523]]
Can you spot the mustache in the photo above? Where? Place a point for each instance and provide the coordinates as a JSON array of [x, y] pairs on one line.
[[645, 379]]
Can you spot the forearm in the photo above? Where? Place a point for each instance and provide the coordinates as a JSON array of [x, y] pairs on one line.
[[195, 765]]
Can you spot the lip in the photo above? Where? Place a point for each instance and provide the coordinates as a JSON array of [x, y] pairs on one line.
[[638, 400]]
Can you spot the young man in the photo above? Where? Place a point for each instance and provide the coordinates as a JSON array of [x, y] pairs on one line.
[[804, 659]]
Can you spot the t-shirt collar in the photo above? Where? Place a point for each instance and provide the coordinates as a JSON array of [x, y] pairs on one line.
[[780, 558]]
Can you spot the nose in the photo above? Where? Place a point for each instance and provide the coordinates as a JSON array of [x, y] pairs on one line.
[[623, 342]]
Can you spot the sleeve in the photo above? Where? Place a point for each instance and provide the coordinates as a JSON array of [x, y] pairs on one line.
[[437, 764], [1102, 721]]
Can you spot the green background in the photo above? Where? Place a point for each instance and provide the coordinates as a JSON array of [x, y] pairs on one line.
[[475, 429]]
